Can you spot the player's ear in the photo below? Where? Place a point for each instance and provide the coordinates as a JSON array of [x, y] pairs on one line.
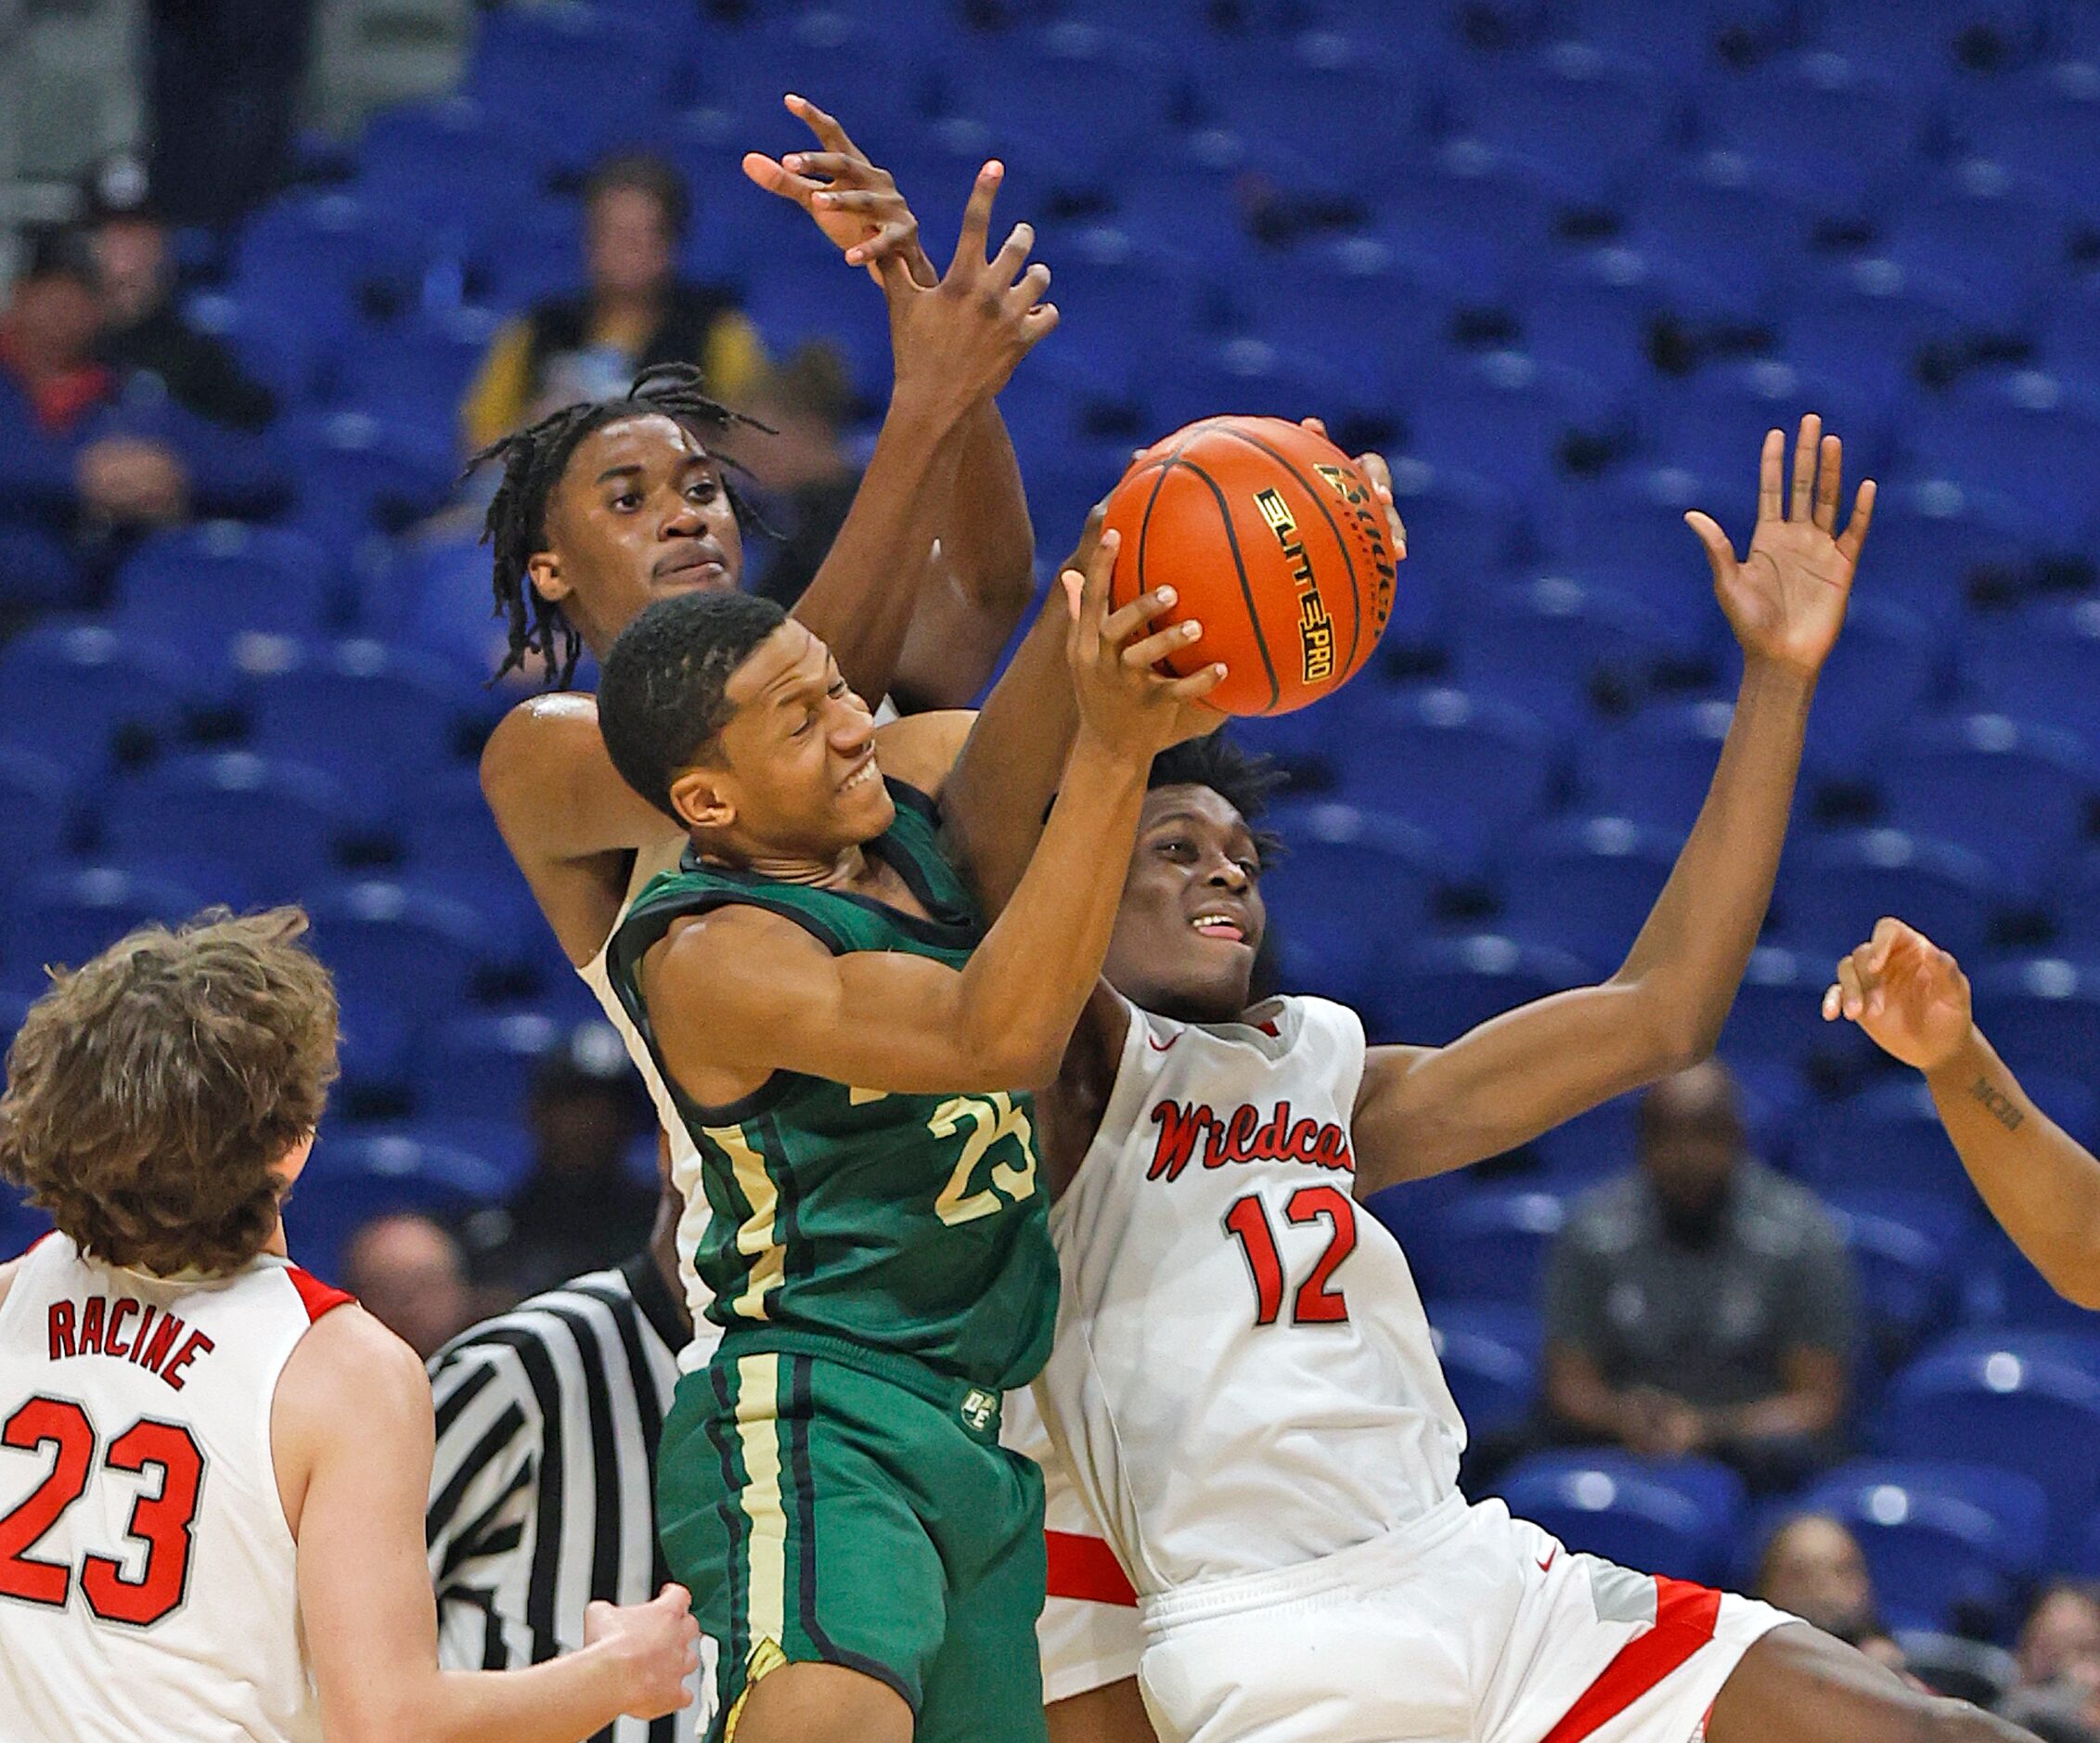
[[700, 797], [544, 569]]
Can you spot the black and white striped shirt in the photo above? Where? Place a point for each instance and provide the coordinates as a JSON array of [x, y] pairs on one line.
[[542, 1497]]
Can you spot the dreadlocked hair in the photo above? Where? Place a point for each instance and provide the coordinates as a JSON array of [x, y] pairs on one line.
[[533, 460], [1245, 779]]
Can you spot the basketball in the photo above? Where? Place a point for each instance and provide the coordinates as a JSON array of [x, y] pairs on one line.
[[1274, 540]]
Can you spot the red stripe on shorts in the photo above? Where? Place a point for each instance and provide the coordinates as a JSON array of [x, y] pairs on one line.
[[1685, 1615], [1086, 1568]]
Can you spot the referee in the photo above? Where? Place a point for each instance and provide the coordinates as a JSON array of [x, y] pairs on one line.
[[542, 1496]]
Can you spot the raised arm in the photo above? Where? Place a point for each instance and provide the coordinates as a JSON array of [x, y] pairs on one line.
[[2042, 1184], [351, 1433], [1423, 1110], [940, 627], [746, 993]]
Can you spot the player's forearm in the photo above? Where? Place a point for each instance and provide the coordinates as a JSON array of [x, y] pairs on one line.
[[994, 802], [2042, 1184], [574, 1695], [989, 539], [1028, 981], [1691, 953], [861, 602]]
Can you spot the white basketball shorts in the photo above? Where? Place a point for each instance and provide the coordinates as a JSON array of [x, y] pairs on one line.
[[1467, 1626]]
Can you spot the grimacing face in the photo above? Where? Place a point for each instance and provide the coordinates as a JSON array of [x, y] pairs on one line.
[[792, 778], [640, 515], [1192, 919]]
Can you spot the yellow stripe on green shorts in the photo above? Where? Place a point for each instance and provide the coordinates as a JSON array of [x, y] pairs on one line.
[[765, 1550]]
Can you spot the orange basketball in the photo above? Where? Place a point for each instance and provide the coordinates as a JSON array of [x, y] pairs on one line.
[[1273, 540]]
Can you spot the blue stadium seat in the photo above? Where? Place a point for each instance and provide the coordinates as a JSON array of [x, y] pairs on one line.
[[608, 69], [1931, 543], [1503, 413], [2002, 1288], [1593, 1146], [440, 162], [1868, 320], [1907, 1248], [1349, 879], [1313, 88], [1835, 887], [1192, 377], [1559, 648], [1354, 303], [1464, 226], [1681, 36], [1711, 422], [1627, 533], [2070, 338], [536, 252], [353, 1179], [368, 713], [82, 695], [1610, 1505], [2042, 1013], [418, 370], [1716, 236], [2019, 1407], [1460, 526], [1585, 885], [481, 1066], [357, 475], [1658, 766], [1463, 768], [1877, 678], [2040, 663], [1818, 126], [1777, 1017], [2077, 908], [1489, 1354], [21, 1226], [195, 589], [405, 948], [2043, 122], [1572, 119], [2015, 794], [1922, 48], [2021, 440], [451, 845], [1941, 1539], [1989, 231], [272, 825], [1489, 1244], [70, 913], [1439, 990], [1596, 311], [38, 800]]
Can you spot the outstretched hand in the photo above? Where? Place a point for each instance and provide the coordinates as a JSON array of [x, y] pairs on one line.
[[854, 201], [957, 342], [1786, 601], [1909, 995], [1125, 697]]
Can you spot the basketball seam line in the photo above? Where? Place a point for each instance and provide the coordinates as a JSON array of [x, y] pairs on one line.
[[1355, 592]]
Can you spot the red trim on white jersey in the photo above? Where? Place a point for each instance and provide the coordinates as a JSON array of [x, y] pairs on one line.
[[1685, 1615], [1086, 1568], [318, 1297], [30, 1248]]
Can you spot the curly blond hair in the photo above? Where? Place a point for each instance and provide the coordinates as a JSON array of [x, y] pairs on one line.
[[151, 1091]]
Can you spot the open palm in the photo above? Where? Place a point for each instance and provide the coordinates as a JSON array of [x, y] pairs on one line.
[[1786, 601]]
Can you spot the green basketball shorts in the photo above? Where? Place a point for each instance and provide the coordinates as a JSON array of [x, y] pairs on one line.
[[828, 1505]]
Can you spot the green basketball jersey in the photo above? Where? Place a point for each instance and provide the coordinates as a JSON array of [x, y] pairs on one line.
[[907, 1225]]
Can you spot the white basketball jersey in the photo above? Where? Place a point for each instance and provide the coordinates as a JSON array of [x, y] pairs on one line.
[[147, 1579], [685, 1155], [1242, 1377]]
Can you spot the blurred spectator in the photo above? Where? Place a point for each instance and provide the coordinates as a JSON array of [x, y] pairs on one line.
[[805, 478], [1702, 1304], [143, 335], [2058, 1696], [411, 1276], [634, 313], [579, 1208], [223, 84], [1814, 1569]]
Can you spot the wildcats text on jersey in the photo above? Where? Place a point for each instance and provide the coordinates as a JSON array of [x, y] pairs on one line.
[[1242, 1136]]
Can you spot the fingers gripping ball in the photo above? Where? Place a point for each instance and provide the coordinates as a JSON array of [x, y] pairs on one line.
[[1275, 542]]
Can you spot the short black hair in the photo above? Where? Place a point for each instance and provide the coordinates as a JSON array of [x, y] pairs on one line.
[[534, 460], [1245, 779], [660, 699]]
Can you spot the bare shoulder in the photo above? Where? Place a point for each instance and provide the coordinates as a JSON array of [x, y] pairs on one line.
[[921, 749], [735, 956], [348, 1368], [540, 727]]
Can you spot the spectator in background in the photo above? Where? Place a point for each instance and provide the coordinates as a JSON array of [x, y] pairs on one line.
[[2058, 1652], [634, 313], [411, 1276], [579, 1208], [805, 479], [1814, 1569], [144, 338], [1702, 1304]]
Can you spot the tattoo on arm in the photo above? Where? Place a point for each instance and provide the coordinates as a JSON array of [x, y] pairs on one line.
[[1999, 1103]]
